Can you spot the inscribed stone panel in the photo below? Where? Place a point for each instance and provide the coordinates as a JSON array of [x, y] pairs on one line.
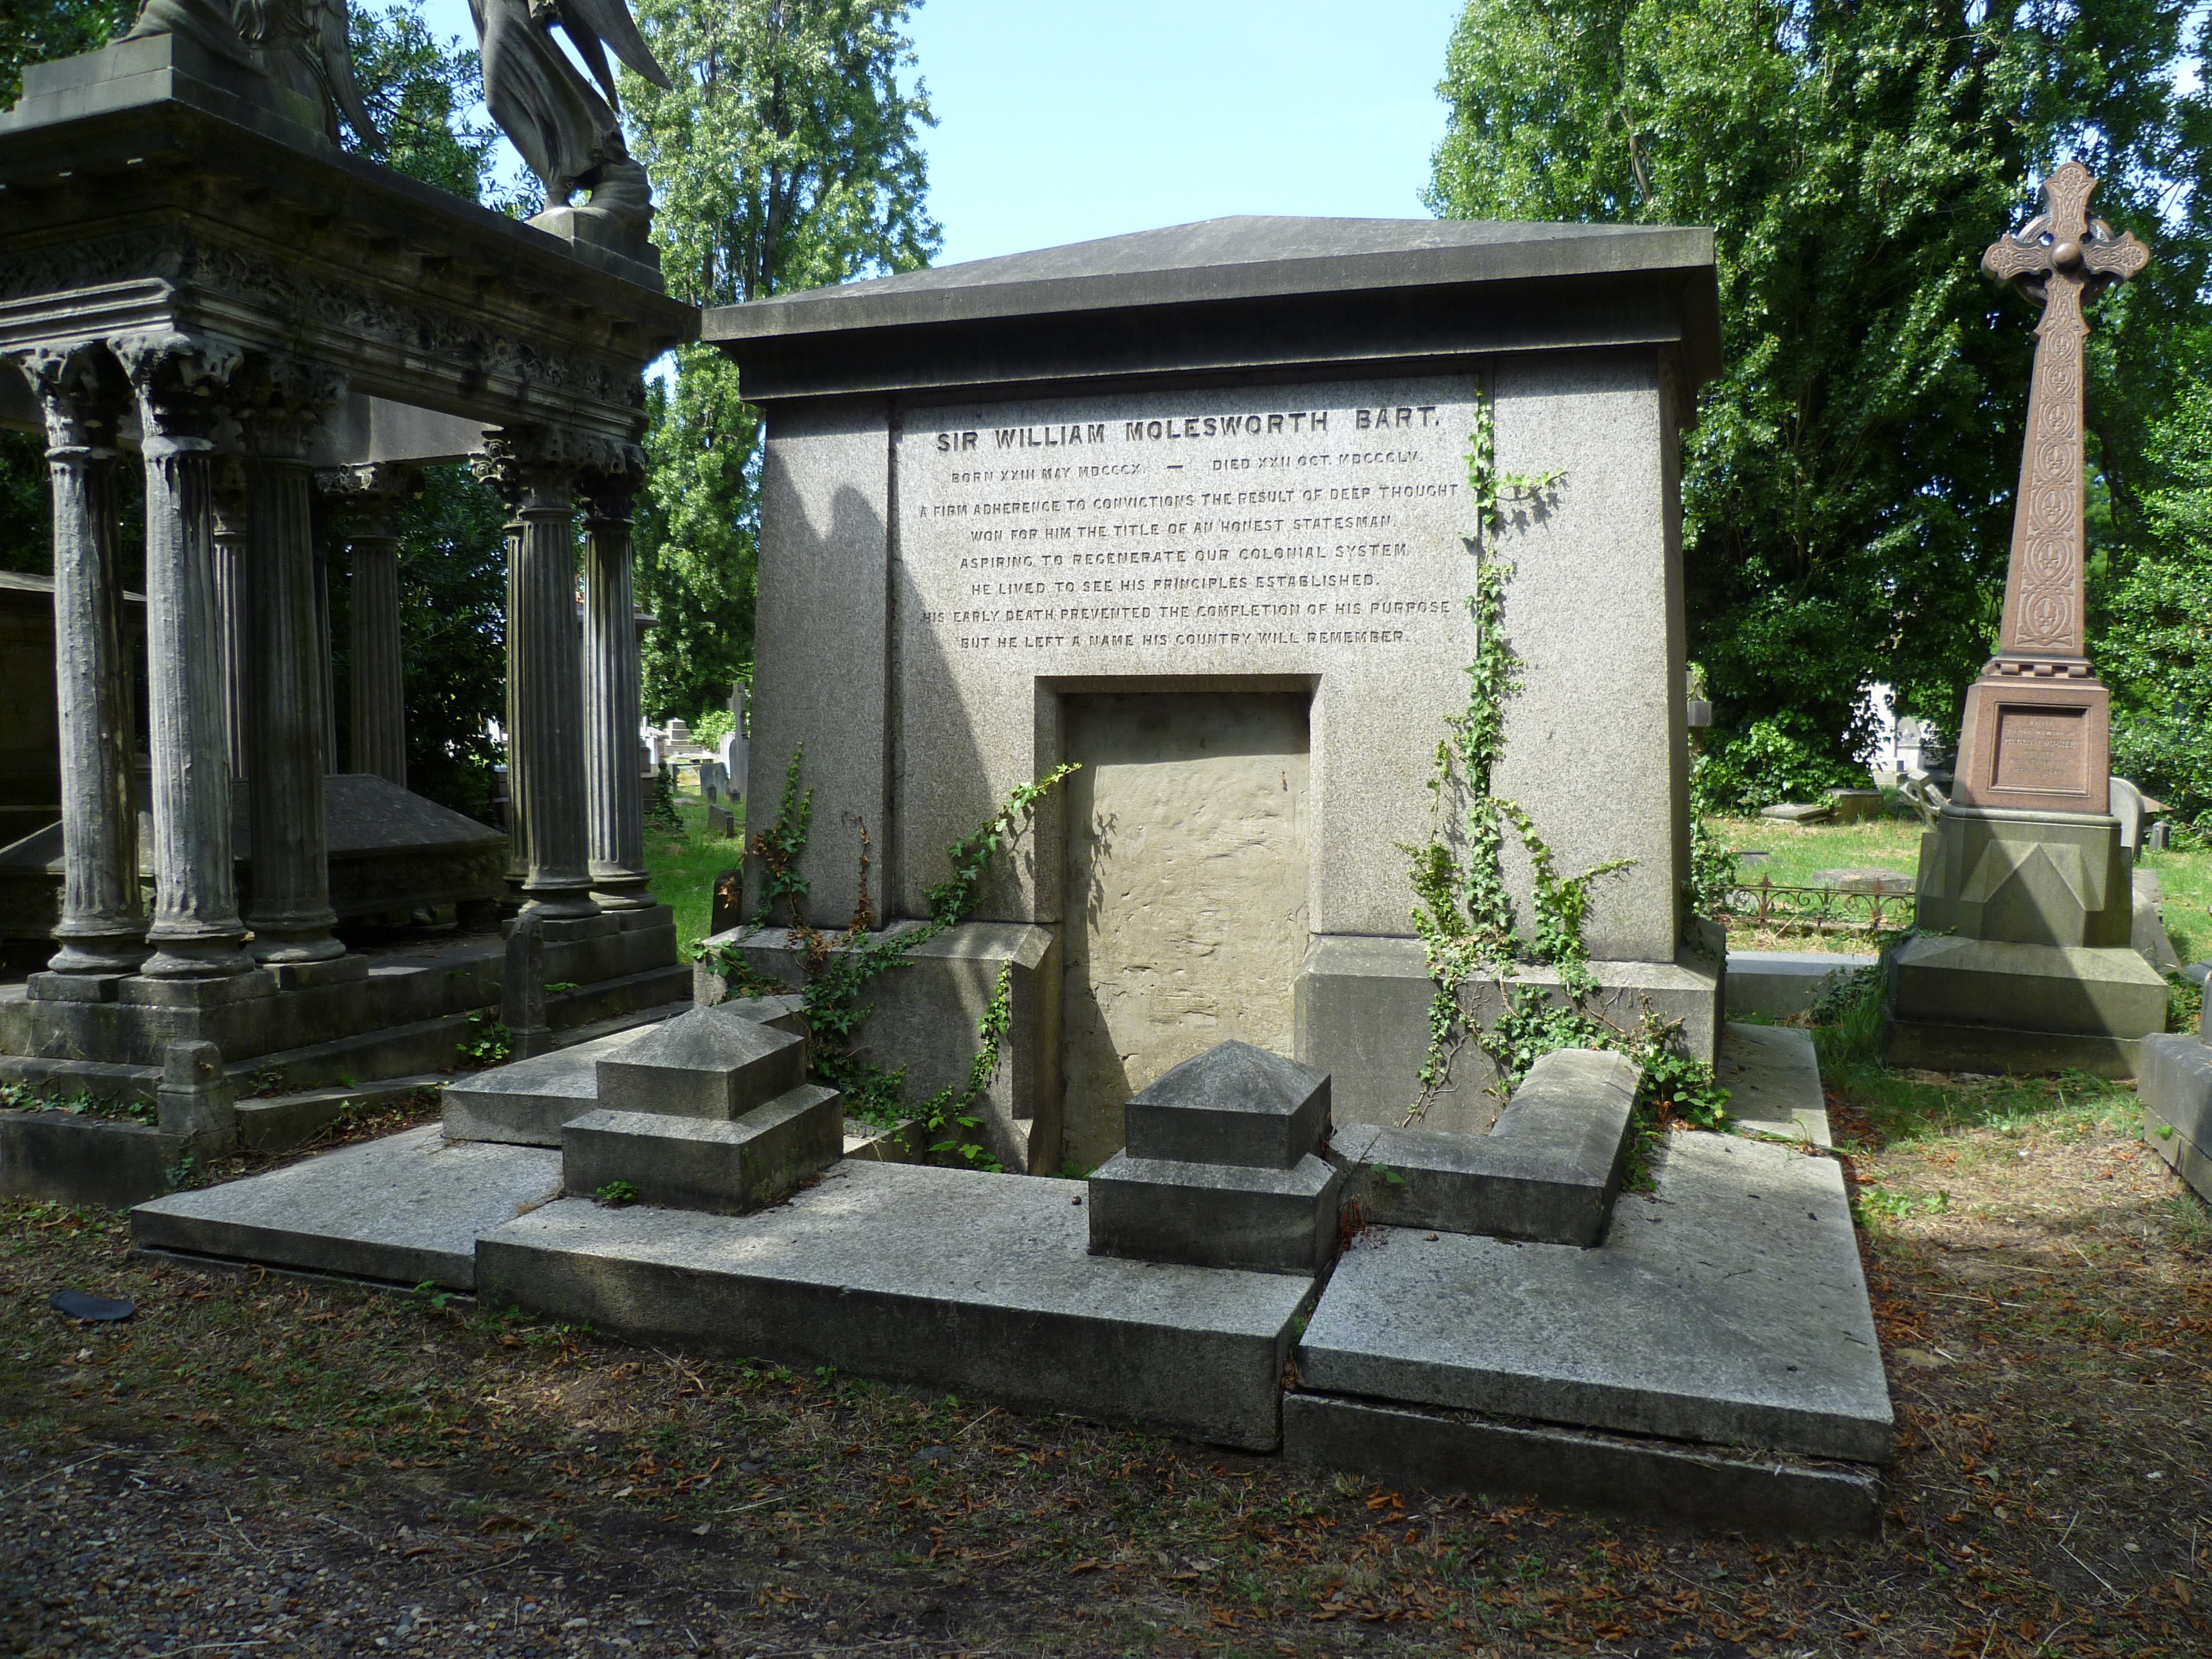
[[1311, 530]]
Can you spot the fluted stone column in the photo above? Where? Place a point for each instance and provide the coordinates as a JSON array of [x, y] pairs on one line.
[[371, 496], [180, 380], [288, 712], [230, 600], [536, 471], [103, 922], [617, 801]]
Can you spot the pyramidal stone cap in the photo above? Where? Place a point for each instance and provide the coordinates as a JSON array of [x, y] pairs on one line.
[[706, 1063], [1232, 1105]]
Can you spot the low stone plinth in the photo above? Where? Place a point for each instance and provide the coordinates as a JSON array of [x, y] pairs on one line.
[[1999, 1006], [1223, 1167], [404, 1209], [1216, 1215], [723, 1167], [949, 1279]]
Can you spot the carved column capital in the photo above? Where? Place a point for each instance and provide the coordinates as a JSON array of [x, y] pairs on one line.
[[370, 494], [183, 382], [280, 402], [80, 393], [528, 463]]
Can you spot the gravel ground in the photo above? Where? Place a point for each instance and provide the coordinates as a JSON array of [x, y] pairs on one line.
[[253, 1464]]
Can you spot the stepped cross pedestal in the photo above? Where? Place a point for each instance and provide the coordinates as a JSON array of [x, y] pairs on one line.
[[2026, 896], [2037, 733]]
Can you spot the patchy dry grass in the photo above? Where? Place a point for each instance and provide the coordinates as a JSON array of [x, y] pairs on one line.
[[258, 1465]]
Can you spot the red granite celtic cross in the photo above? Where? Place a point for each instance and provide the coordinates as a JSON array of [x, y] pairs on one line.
[[2038, 722]]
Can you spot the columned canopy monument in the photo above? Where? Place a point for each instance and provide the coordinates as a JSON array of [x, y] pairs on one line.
[[2025, 876], [1192, 508], [195, 278]]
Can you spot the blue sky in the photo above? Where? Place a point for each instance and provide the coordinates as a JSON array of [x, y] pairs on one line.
[[1059, 121]]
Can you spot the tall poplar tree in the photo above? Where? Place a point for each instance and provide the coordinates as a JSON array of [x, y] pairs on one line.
[[786, 156], [1848, 490]]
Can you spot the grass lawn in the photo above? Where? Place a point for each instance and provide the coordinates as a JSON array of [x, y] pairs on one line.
[[1796, 852], [684, 868], [258, 1464]]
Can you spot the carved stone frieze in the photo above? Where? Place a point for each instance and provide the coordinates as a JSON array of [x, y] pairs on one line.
[[481, 348]]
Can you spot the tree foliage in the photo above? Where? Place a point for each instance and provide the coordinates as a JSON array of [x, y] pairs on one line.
[[786, 156], [2157, 646], [1848, 491]]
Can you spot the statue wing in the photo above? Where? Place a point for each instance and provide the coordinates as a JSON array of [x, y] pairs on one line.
[[589, 22], [333, 48]]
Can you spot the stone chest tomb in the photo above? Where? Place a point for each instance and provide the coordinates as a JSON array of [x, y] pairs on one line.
[[1192, 508]]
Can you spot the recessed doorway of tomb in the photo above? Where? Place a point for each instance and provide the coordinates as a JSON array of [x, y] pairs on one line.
[[1186, 894]]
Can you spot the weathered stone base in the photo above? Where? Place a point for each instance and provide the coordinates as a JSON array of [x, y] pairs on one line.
[[406, 1016], [69, 1159], [950, 1279], [1363, 1017], [1703, 1488], [1215, 1215], [1994, 1005], [2175, 1085]]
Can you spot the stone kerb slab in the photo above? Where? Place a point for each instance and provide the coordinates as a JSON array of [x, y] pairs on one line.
[[1235, 1104], [725, 1168], [1549, 1172], [1728, 1307], [709, 1063], [2175, 1083]]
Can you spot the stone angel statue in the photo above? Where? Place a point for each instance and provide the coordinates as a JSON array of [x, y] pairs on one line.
[[300, 45], [566, 131]]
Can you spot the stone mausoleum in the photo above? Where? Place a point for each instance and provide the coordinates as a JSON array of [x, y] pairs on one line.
[[197, 281], [1191, 508]]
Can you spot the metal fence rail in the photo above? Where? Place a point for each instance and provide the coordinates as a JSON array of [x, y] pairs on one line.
[[1818, 909]]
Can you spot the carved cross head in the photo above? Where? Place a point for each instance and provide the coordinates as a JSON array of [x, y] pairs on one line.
[[2063, 241]]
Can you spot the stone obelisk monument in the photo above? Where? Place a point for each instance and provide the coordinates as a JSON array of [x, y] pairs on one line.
[[2025, 878]]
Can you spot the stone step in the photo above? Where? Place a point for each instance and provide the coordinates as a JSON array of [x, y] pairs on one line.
[[979, 1283], [1779, 983], [716, 1063], [1727, 1308], [1548, 1171], [276, 1123], [721, 1166], [1773, 1079], [525, 1102], [404, 1210], [1216, 1215]]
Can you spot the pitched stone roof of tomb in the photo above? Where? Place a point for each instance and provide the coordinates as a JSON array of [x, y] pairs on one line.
[[1319, 269]]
